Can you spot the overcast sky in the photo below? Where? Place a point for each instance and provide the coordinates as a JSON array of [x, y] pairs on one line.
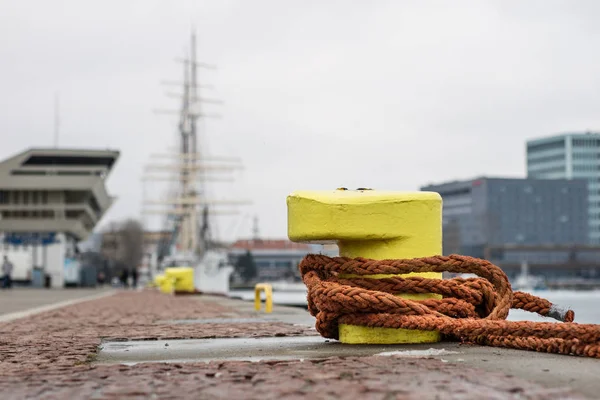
[[318, 94]]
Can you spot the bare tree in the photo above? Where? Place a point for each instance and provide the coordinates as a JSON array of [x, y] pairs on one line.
[[123, 246], [130, 243]]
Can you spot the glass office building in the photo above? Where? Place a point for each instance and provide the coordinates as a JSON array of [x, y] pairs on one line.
[[483, 212], [570, 156]]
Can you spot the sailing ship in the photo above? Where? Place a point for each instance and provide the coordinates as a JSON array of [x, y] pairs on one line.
[[189, 213]]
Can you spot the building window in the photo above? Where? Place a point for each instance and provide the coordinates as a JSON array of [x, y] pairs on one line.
[[263, 264], [47, 214], [586, 142], [546, 146], [550, 170], [283, 264], [546, 159]]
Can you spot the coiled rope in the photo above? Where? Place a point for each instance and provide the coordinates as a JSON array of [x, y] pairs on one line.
[[471, 310]]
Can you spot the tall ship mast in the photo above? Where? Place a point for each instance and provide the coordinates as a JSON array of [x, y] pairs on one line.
[[188, 211]]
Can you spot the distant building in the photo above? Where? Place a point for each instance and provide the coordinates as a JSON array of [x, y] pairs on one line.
[[112, 250], [277, 259], [92, 244], [152, 241], [51, 199], [330, 249], [570, 156], [486, 217]]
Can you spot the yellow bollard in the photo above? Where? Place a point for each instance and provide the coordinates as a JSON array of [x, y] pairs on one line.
[[268, 294], [158, 280], [377, 225], [184, 278], [167, 285]]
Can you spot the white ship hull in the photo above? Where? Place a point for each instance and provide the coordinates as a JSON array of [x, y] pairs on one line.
[[212, 273]]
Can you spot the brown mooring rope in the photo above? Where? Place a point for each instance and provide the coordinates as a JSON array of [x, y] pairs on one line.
[[472, 310]]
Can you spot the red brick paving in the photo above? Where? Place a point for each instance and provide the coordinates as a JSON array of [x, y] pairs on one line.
[[333, 378], [47, 357], [69, 336]]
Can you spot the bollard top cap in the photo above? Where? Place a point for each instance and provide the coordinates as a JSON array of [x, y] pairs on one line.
[[333, 215]]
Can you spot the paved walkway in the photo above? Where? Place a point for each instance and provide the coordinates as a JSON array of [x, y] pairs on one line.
[[53, 355], [21, 299]]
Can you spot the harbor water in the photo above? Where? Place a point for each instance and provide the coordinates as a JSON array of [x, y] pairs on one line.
[[586, 304]]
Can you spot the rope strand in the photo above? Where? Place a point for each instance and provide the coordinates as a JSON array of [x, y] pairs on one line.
[[471, 310]]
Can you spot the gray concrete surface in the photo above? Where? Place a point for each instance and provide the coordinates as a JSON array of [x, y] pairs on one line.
[[550, 370], [21, 302], [287, 314], [553, 371]]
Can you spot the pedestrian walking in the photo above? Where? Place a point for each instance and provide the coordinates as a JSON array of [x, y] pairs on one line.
[[134, 277], [7, 268], [125, 278]]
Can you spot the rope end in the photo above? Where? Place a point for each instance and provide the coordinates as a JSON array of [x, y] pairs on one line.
[[561, 314]]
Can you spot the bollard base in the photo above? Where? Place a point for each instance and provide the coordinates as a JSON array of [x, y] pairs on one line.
[[354, 334]]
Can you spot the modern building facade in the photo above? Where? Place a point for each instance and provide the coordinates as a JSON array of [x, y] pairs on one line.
[[277, 259], [50, 199], [570, 156], [499, 213]]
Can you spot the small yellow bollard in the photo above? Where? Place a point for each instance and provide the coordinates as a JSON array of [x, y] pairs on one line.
[[158, 280], [184, 278], [167, 285], [268, 294], [377, 225]]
